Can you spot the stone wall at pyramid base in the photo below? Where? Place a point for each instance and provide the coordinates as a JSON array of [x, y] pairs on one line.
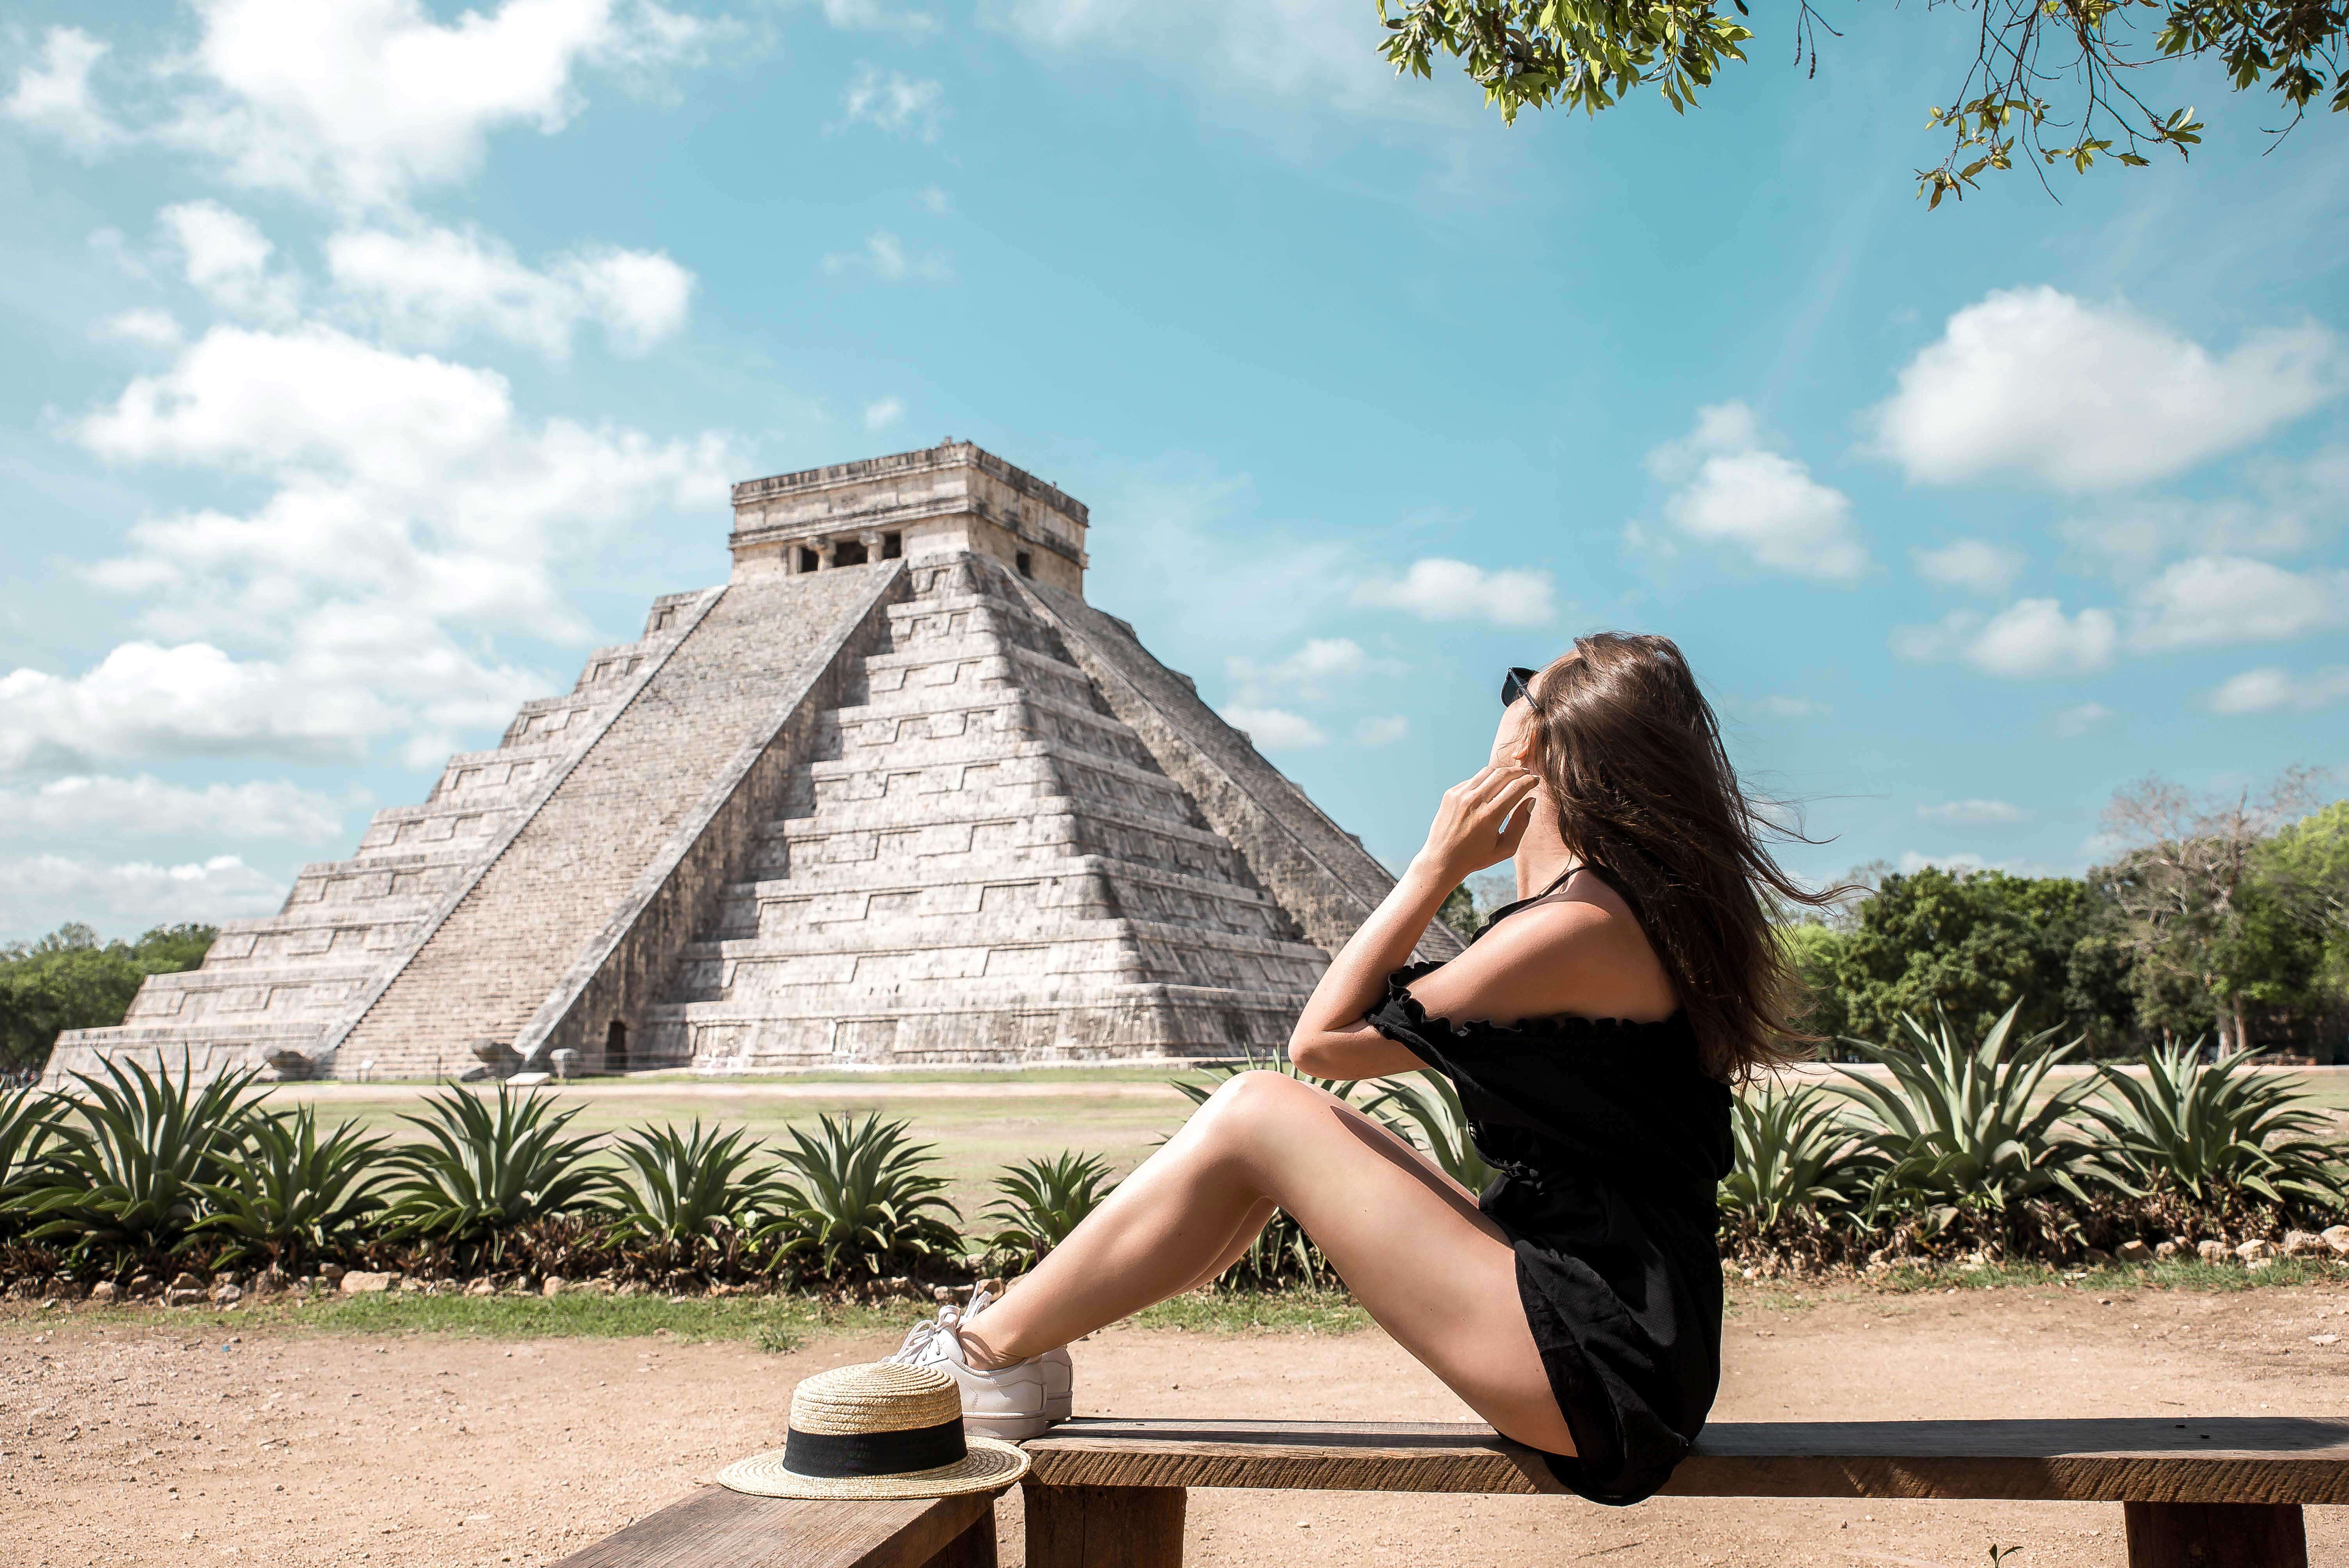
[[1024, 1027]]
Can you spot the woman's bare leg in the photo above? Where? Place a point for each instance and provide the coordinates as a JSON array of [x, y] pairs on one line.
[[1407, 1240], [1242, 1239]]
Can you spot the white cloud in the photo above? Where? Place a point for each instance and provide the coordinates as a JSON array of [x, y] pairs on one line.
[[54, 94], [431, 286], [1973, 811], [153, 328], [147, 805], [1274, 728], [2032, 381], [1964, 863], [407, 499], [40, 892], [2073, 722], [896, 103], [143, 701], [1381, 730], [2210, 600], [1437, 589], [934, 200], [1733, 491], [883, 412], [1309, 669], [2032, 637], [886, 257], [227, 262], [1780, 706], [362, 102], [2271, 689], [1973, 563]]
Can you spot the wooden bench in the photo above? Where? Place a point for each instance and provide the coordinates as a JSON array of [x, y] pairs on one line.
[[2220, 1492]]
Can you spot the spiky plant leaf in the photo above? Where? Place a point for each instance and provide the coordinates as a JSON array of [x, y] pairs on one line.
[[1980, 1127], [132, 1155], [860, 1197], [1040, 1200], [1796, 1151], [479, 1170], [686, 1187], [291, 1195], [2203, 1128], [1428, 1115]]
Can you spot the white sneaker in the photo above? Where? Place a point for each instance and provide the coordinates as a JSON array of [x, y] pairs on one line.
[[1013, 1403], [1060, 1372]]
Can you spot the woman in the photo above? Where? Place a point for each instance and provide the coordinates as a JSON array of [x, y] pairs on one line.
[[1593, 1028]]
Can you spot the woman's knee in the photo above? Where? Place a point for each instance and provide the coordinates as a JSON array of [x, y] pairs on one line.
[[1247, 1105]]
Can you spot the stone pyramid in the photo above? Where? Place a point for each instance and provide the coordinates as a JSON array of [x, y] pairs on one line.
[[895, 794]]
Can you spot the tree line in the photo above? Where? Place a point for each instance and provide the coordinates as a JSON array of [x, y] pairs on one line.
[[70, 980], [2223, 918]]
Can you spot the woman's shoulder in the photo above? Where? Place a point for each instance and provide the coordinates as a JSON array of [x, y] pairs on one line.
[[1578, 953]]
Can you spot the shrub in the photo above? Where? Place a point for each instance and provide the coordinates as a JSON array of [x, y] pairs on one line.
[[1973, 1128], [860, 1197], [1797, 1154], [2206, 1129], [688, 1187], [133, 1157], [291, 1196], [1041, 1201], [478, 1172], [26, 1130]]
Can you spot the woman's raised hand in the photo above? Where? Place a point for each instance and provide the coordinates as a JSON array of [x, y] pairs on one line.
[[1479, 822]]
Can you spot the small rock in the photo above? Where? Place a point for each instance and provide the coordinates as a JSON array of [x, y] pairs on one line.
[[102, 1292], [271, 1280], [183, 1280], [2256, 1251], [354, 1283], [2337, 1238], [180, 1296], [140, 1284], [2212, 1252], [2096, 1258], [2165, 1251], [2255, 1265], [330, 1273], [482, 1287], [2302, 1243], [227, 1292], [2134, 1251], [2324, 1339], [554, 1284]]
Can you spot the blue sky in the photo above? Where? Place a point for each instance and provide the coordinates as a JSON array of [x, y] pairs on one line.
[[369, 363]]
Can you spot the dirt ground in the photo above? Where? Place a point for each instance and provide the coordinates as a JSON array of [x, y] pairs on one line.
[[189, 1438]]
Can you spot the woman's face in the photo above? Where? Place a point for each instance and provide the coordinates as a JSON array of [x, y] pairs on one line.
[[1512, 740]]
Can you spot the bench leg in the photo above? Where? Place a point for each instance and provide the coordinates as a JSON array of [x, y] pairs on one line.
[[974, 1548], [2215, 1535], [1104, 1526]]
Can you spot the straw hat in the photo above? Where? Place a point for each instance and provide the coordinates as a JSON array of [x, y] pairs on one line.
[[882, 1429]]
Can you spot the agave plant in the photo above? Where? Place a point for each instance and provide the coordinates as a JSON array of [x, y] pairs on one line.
[[132, 1157], [1795, 1151], [478, 1172], [861, 1196], [2206, 1128], [290, 1194], [1973, 1127], [1429, 1115], [26, 1127], [686, 1187], [1042, 1200]]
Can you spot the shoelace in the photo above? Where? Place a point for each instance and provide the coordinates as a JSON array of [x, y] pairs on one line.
[[918, 1337]]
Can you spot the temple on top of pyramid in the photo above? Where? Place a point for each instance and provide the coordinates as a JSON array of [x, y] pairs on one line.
[[893, 794]]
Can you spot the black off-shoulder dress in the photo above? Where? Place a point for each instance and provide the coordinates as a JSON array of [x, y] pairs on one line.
[[1611, 1140]]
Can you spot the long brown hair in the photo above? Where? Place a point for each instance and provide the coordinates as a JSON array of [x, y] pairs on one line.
[[1630, 754]]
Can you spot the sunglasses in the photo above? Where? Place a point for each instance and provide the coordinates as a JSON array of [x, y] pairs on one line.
[[1517, 683]]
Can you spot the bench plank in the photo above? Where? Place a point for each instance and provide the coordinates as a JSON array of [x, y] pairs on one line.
[[2220, 1459], [716, 1528]]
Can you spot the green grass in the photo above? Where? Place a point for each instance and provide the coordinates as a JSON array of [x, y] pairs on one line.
[[1249, 1312]]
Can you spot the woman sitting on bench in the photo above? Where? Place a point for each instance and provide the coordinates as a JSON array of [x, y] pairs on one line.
[[1593, 1028]]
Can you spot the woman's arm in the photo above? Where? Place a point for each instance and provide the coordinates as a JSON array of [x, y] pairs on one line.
[[1479, 825]]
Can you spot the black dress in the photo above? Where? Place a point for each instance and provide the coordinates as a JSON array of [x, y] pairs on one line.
[[1610, 1139]]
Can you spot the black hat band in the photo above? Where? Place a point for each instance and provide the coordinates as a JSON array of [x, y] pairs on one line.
[[829, 1456]]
